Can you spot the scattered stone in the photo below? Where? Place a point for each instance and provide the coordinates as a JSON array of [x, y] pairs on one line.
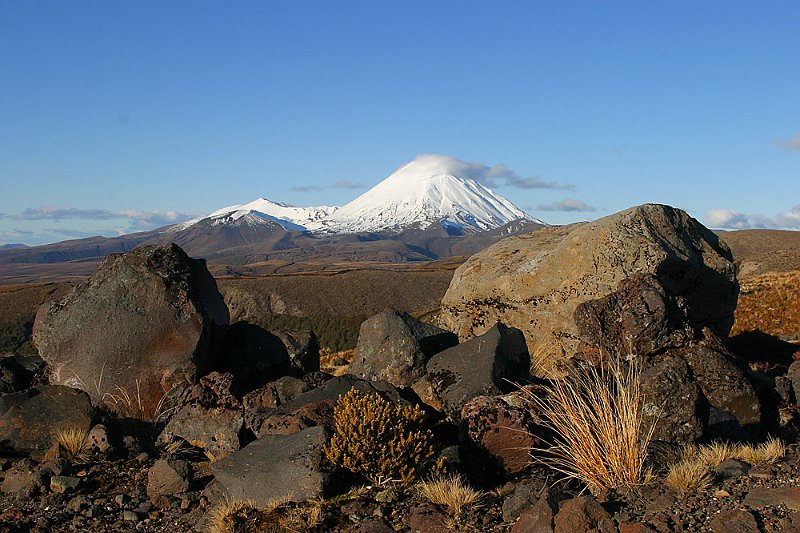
[[538, 519], [17, 479], [30, 419], [146, 324], [737, 520], [64, 484], [79, 504], [773, 496], [168, 477], [484, 366], [731, 468], [131, 516], [583, 513], [395, 347], [275, 467]]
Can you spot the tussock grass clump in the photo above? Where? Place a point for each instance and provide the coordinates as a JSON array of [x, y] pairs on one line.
[[597, 416], [688, 477], [73, 444], [381, 440], [451, 492], [279, 516], [693, 471]]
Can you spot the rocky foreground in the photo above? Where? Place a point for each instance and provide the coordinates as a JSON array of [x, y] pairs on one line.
[[147, 410]]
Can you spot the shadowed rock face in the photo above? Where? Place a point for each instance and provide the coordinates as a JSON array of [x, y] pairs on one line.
[[535, 282], [146, 324]]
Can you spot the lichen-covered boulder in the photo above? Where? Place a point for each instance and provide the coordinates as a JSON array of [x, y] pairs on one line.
[[146, 324], [536, 281]]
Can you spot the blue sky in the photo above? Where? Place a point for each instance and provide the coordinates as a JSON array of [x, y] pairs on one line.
[[120, 116]]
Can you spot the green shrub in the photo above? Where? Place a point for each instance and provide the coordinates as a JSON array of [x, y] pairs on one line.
[[381, 440]]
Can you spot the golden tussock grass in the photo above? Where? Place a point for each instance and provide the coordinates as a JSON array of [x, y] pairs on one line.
[[451, 492], [597, 416], [73, 444]]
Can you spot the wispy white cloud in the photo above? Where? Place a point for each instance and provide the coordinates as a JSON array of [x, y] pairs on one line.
[[138, 219], [732, 219], [306, 188], [501, 175], [347, 184], [791, 144], [569, 205]]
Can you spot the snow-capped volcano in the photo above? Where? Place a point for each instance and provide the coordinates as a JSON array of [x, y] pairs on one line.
[[429, 189]]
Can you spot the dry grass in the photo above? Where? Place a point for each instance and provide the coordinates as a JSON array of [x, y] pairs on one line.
[[688, 477], [451, 492], [73, 444], [765, 453], [597, 415], [693, 471], [280, 515], [232, 516], [769, 303]]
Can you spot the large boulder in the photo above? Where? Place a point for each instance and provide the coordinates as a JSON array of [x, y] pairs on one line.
[[395, 347], [536, 281], [146, 324], [276, 467], [31, 419], [487, 365]]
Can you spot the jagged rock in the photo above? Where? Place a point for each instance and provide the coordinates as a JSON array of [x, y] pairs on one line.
[[168, 477], [262, 402], [275, 467], [210, 417], [674, 402], [584, 514], [722, 379], [30, 419], [484, 366], [395, 347], [254, 356], [737, 520], [639, 318], [146, 324], [536, 281], [18, 479], [538, 519], [306, 416], [303, 350], [495, 438]]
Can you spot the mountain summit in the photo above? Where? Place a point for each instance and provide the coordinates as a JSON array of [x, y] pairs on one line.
[[429, 189]]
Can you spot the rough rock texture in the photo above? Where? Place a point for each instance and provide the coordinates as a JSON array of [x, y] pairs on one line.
[[538, 519], [30, 419], [254, 356], [721, 377], [737, 520], [674, 402], [146, 323], [536, 281], [484, 366], [306, 416], [14, 376], [168, 477], [275, 467], [210, 417], [395, 347], [583, 514], [495, 438], [262, 402]]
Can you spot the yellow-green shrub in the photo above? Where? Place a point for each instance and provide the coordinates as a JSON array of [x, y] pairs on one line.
[[381, 440]]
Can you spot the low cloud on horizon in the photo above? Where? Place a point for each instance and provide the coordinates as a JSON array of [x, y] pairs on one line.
[[347, 184], [732, 219], [791, 144]]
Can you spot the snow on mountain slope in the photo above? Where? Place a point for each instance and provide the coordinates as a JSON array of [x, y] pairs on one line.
[[429, 188]]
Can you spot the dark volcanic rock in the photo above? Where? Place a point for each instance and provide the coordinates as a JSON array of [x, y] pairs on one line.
[[210, 417], [14, 376], [254, 356], [275, 467], [168, 477], [674, 402], [583, 514], [640, 317], [146, 324], [395, 347], [30, 419], [303, 350], [306, 416], [495, 438], [483, 366], [262, 402]]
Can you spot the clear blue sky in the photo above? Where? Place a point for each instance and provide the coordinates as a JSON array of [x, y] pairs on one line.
[[116, 116]]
